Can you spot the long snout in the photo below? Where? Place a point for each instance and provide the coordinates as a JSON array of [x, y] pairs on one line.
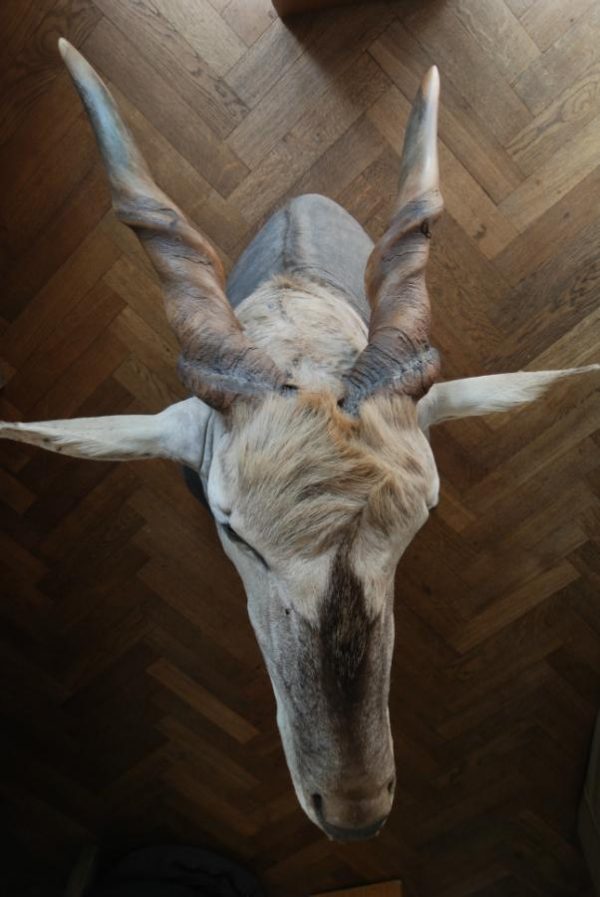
[[354, 815]]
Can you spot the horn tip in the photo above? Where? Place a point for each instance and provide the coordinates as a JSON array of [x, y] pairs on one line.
[[63, 46], [430, 86], [77, 66]]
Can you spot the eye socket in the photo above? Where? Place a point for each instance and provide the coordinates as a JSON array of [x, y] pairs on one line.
[[237, 539]]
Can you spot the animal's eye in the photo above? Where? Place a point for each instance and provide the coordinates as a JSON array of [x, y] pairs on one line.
[[235, 537]]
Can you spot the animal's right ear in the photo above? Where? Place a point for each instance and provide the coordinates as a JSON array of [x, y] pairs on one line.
[[177, 433], [487, 395]]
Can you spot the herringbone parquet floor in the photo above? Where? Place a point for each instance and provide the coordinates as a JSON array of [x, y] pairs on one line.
[[134, 703]]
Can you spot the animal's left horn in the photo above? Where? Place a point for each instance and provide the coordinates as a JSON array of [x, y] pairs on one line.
[[398, 357], [218, 362]]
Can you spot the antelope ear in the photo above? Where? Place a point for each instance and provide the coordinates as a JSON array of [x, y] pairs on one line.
[[488, 395], [177, 433]]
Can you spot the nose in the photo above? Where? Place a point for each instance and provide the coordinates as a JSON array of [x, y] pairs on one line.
[[354, 816]]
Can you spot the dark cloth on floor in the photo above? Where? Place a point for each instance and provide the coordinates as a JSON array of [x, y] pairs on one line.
[[175, 871]]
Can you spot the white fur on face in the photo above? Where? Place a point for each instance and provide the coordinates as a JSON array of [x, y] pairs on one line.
[[297, 481]]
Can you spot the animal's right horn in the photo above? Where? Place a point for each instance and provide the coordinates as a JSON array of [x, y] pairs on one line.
[[218, 362], [398, 357]]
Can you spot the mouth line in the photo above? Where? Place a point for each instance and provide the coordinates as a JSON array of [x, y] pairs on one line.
[[348, 834], [337, 833]]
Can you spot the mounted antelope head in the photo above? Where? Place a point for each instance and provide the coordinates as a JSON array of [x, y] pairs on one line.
[[309, 434]]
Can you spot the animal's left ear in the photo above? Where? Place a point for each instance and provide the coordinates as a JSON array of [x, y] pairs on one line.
[[487, 395], [176, 433]]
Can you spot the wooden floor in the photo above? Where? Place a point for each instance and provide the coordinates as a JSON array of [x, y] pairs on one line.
[[135, 707]]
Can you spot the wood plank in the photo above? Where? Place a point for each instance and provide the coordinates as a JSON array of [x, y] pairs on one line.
[[293, 7], [51, 180], [145, 385], [81, 378], [344, 161], [192, 692], [117, 59], [155, 352], [541, 310], [558, 123], [446, 38], [547, 21], [64, 345], [60, 294], [519, 7], [269, 58], [385, 889], [563, 171], [563, 62], [338, 46], [174, 58], [209, 34], [70, 227], [499, 33], [37, 63], [309, 138], [249, 20], [142, 293], [564, 222], [14, 493]]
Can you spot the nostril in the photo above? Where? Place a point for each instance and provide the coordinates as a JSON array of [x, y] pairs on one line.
[[317, 803], [391, 785]]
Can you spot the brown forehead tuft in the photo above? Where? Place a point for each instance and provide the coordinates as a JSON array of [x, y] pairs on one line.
[[308, 475]]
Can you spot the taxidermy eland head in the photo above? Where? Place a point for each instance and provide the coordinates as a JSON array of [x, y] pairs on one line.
[[308, 431]]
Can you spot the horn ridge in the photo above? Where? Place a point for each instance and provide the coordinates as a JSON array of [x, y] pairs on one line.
[[218, 360], [398, 356]]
